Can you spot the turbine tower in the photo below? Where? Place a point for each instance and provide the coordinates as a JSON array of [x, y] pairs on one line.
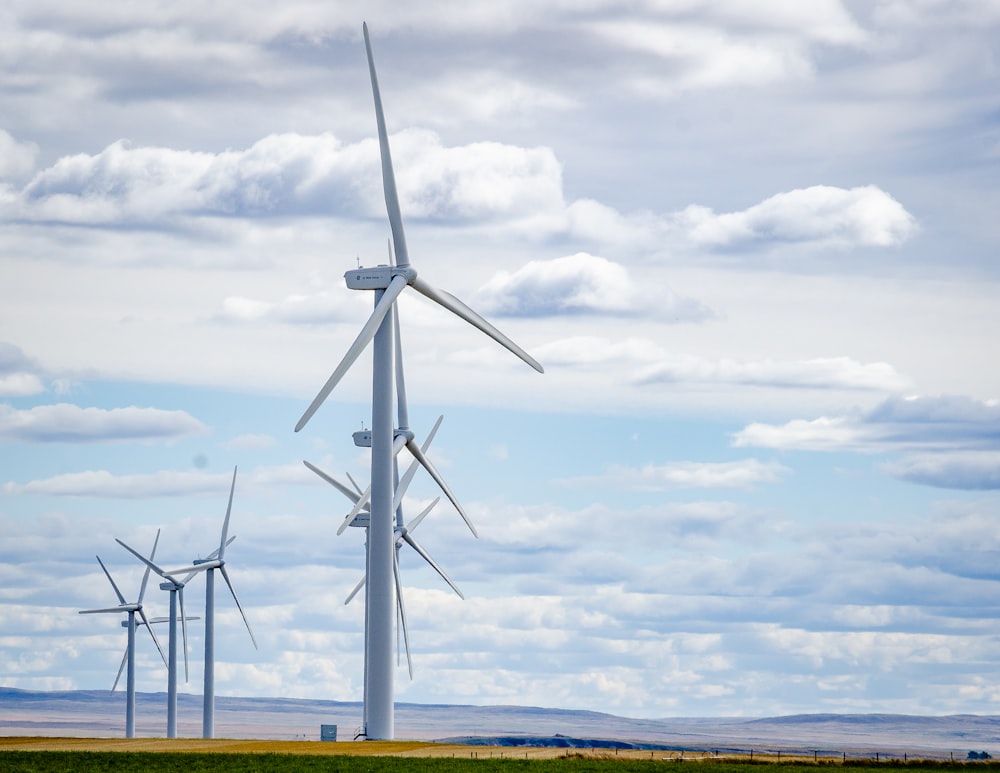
[[387, 282], [208, 566], [131, 609]]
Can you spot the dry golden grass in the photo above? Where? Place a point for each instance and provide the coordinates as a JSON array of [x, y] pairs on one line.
[[244, 746]]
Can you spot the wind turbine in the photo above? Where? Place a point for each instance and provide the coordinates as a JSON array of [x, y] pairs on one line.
[[131, 609], [388, 282], [208, 566], [175, 586], [401, 533]]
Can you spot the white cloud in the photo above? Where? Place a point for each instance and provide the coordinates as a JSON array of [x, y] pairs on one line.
[[319, 308], [741, 474], [572, 284], [65, 422], [864, 216], [968, 470], [103, 484], [18, 374], [821, 373], [704, 57], [822, 434], [947, 441], [17, 159], [254, 442], [590, 351], [580, 284], [724, 45], [913, 423], [20, 384], [287, 173]]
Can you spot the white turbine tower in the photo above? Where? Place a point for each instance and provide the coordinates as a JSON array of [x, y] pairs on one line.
[[388, 282], [208, 566], [131, 609]]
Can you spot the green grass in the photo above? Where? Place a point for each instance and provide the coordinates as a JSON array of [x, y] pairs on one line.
[[182, 762]]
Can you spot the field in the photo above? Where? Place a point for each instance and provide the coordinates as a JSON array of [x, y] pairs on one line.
[[160, 755]]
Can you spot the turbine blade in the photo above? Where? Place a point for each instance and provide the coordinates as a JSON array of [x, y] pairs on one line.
[[424, 555], [189, 571], [364, 338], [225, 576], [354, 592], [333, 482], [358, 507], [353, 482], [120, 669], [145, 576], [225, 524], [456, 306], [420, 457], [184, 629], [404, 482], [423, 514], [402, 613], [153, 634], [145, 560], [118, 593], [402, 414], [388, 178], [99, 611]]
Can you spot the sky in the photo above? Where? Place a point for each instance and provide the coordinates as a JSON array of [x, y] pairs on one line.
[[754, 245]]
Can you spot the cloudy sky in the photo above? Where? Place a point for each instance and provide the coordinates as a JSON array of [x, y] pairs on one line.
[[755, 246]]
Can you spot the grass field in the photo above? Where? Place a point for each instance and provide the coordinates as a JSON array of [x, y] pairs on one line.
[[187, 755]]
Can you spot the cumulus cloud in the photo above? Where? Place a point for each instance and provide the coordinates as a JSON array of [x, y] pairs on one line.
[[293, 174], [67, 423], [575, 283], [946, 441], [317, 309], [723, 45], [944, 423], [820, 373], [103, 484], [578, 284], [17, 159], [590, 351], [18, 373], [968, 470], [254, 442], [741, 474], [706, 57], [823, 214], [476, 181]]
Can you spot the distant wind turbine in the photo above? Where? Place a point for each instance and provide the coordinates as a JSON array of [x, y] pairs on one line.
[[175, 586], [131, 609], [208, 566], [388, 282]]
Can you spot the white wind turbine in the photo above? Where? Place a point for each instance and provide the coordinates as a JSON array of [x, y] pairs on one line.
[[131, 609], [388, 282], [217, 560], [209, 566], [175, 586], [176, 580], [402, 533]]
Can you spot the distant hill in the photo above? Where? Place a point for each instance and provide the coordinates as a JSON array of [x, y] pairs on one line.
[[99, 713]]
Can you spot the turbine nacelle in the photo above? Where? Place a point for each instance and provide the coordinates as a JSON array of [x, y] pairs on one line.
[[377, 277]]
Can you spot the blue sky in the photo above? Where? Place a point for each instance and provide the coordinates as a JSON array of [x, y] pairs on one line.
[[754, 246]]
